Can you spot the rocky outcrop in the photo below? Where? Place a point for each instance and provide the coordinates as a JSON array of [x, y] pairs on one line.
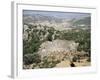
[[58, 48]]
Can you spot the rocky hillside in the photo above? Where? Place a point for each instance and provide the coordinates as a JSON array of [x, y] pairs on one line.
[[49, 40], [38, 34], [57, 46]]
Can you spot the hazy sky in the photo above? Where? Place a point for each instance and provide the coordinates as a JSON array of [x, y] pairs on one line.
[[67, 15]]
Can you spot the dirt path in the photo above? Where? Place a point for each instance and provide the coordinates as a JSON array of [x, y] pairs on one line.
[[63, 64], [66, 63]]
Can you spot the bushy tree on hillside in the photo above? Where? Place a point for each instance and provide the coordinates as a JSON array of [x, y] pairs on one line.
[[31, 58]]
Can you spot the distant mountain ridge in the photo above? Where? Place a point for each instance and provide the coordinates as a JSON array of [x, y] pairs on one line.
[[57, 23], [85, 22], [38, 18]]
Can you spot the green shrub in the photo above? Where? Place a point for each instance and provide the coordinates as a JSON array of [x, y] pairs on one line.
[[47, 62], [74, 59], [31, 58], [89, 59], [51, 65], [34, 65]]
